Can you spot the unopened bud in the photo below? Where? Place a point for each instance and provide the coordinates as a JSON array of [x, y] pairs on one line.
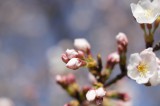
[[122, 42], [91, 95], [64, 58], [124, 97], [73, 59], [75, 63], [60, 79], [65, 80], [96, 95], [85, 89], [100, 92], [70, 78], [71, 53], [82, 44], [112, 59]]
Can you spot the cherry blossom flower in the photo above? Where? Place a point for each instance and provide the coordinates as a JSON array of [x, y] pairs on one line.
[[82, 44], [146, 11], [142, 66]]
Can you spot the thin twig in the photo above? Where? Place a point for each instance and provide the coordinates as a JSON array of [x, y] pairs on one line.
[[118, 77], [156, 47]]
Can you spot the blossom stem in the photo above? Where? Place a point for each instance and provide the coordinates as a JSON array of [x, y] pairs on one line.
[[118, 77], [123, 70]]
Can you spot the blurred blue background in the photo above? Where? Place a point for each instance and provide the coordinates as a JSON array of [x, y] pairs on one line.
[[34, 33]]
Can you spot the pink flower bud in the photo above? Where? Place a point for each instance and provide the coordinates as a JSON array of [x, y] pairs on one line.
[[70, 78], [75, 63], [65, 80], [71, 53], [122, 39], [81, 54], [60, 79], [73, 59], [67, 104], [64, 58], [124, 96], [122, 42], [112, 59], [86, 88], [82, 44]]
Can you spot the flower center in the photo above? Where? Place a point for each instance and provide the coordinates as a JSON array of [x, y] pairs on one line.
[[148, 13], [142, 68]]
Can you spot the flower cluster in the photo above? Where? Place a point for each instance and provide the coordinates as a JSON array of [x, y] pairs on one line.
[[143, 67]]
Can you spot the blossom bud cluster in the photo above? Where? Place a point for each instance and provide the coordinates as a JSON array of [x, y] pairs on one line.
[[73, 59], [95, 94]]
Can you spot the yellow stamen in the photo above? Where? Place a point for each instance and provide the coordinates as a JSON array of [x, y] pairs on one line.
[[142, 69], [148, 13]]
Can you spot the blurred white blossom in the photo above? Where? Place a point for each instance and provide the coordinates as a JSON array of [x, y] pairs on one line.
[[92, 94], [6, 102], [146, 11]]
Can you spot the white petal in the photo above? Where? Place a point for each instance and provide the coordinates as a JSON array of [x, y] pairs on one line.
[[71, 53], [134, 59], [74, 63], [155, 80], [142, 80], [149, 58], [132, 72], [91, 95], [146, 11]]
